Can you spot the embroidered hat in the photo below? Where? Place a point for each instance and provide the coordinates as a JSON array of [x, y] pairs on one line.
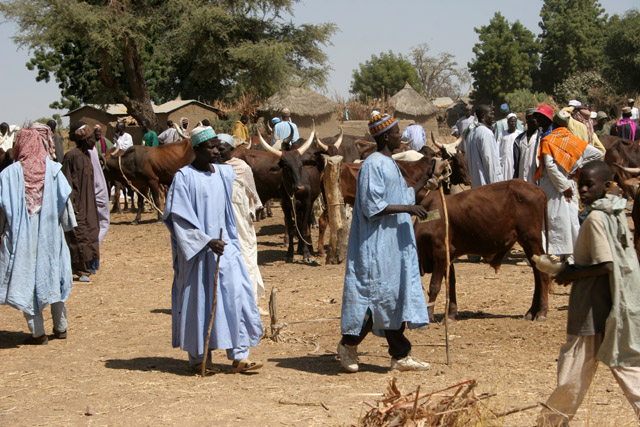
[[201, 134], [226, 138], [546, 111], [530, 111], [504, 108], [381, 123]]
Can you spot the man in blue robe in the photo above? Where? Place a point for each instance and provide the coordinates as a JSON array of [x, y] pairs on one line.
[[198, 207], [35, 211], [382, 287]]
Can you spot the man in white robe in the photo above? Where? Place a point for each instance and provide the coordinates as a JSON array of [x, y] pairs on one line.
[[505, 146], [525, 150], [245, 201], [481, 148], [197, 210], [561, 154]]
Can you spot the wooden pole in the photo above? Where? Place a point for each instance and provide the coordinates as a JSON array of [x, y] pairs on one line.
[[335, 209], [446, 271], [213, 315]]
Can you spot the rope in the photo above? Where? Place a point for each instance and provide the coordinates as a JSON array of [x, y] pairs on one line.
[[153, 205], [292, 197]]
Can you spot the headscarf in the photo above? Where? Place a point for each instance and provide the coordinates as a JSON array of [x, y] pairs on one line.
[[381, 123], [579, 116], [46, 136], [32, 155]]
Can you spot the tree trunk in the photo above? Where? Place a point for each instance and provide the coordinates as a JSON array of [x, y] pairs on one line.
[[139, 102]]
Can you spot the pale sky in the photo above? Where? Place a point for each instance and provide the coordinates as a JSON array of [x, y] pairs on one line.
[[366, 27]]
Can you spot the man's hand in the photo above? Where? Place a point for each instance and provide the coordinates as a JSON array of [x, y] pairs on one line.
[[217, 246], [566, 276], [417, 210], [568, 194]]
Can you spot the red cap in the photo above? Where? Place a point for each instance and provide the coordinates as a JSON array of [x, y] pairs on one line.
[[546, 111]]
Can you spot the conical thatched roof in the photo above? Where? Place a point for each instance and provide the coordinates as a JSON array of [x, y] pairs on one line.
[[410, 102], [301, 102]]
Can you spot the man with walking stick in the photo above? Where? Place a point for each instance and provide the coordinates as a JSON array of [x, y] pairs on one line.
[[199, 206]]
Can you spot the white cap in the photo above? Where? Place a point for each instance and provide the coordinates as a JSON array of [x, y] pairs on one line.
[[594, 114], [575, 103]]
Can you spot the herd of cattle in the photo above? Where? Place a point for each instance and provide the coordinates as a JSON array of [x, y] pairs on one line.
[[485, 221]]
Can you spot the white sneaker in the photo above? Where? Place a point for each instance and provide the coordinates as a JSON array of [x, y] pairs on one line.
[[348, 357], [409, 363]]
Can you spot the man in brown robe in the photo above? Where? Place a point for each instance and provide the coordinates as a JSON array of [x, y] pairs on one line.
[[83, 240]]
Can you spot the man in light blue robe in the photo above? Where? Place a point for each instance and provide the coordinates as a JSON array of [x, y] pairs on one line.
[[382, 287], [198, 206], [35, 211], [483, 159]]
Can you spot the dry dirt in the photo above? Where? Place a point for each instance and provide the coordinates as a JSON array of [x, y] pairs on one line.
[[118, 364]]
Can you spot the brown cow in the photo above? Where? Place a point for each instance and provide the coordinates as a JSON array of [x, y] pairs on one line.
[[485, 221], [148, 167], [6, 158], [625, 153]]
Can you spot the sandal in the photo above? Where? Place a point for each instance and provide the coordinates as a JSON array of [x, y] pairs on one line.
[[245, 365], [197, 369]]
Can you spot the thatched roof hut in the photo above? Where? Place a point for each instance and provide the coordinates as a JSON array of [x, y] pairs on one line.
[[410, 104], [306, 106]]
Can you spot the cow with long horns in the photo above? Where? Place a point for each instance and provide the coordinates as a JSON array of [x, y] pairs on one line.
[[299, 188]]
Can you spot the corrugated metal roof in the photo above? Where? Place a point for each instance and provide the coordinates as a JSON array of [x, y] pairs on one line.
[[167, 107]]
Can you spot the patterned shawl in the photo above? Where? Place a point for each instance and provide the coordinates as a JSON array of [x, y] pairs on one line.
[[32, 155], [563, 146]]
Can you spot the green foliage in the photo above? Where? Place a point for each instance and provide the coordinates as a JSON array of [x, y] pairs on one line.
[[226, 124], [135, 52], [622, 50], [571, 39], [383, 75], [439, 75], [588, 87], [505, 58], [522, 99]]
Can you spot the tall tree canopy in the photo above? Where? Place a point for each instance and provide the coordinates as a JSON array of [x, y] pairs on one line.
[[386, 74], [571, 39], [505, 58], [622, 50], [138, 51], [439, 75]]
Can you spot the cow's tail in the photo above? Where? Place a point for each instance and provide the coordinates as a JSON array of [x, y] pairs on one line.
[[546, 224]]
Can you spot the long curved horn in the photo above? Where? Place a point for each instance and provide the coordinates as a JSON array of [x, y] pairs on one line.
[[633, 171], [308, 142], [269, 148], [436, 143], [289, 139], [321, 145], [339, 140], [249, 142]]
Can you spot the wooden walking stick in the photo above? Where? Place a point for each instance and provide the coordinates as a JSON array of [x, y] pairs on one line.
[[446, 272], [213, 314]]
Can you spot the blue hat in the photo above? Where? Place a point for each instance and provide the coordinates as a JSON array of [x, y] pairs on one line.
[[504, 108], [201, 134], [225, 137]]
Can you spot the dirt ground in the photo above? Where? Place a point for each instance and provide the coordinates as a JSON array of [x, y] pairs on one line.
[[118, 364]]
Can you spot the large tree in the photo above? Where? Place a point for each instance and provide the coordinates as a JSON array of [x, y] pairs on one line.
[[505, 58], [439, 75], [383, 75], [139, 51], [622, 50], [571, 39]]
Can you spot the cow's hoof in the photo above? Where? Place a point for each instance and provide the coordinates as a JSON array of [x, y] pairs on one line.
[[311, 262], [269, 214], [135, 222], [541, 318], [288, 260]]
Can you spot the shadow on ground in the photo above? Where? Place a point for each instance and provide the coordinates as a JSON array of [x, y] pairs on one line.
[[323, 365], [161, 311], [12, 339]]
